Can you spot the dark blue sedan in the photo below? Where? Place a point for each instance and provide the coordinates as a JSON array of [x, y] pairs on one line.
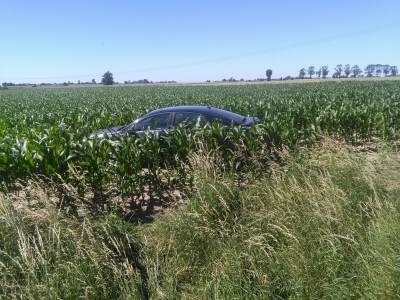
[[191, 115]]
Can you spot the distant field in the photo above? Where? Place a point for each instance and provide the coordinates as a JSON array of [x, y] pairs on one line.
[[274, 81], [301, 206]]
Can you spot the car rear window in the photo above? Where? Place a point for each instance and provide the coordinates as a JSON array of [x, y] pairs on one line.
[[229, 116]]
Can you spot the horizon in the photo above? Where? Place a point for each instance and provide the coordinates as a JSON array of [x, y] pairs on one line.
[[191, 42]]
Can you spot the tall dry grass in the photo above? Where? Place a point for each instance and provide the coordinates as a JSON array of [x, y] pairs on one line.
[[323, 225]]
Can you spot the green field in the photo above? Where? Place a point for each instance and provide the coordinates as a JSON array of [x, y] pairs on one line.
[[303, 205], [41, 130]]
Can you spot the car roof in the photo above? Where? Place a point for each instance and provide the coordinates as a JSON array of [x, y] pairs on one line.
[[185, 108], [204, 109]]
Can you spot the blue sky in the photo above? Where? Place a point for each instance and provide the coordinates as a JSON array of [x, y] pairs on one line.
[[55, 41]]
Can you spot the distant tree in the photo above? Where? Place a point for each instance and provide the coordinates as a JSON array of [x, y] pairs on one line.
[[338, 70], [319, 72], [108, 78], [268, 73], [93, 81], [394, 71], [356, 71], [325, 71], [79, 82], [302, 73], [347, 70], [378, 69], [369, 70], [386, 70], [311, 71]]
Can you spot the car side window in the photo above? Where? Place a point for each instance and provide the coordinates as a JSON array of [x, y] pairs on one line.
[[160, 121], [189, 119]]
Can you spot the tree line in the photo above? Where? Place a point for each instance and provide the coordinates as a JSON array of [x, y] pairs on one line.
[[343, 71], [340, 71]]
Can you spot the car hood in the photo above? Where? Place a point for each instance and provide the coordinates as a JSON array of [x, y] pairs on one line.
[[248, 121]]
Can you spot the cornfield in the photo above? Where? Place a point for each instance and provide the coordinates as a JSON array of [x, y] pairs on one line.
[[45, 131]]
